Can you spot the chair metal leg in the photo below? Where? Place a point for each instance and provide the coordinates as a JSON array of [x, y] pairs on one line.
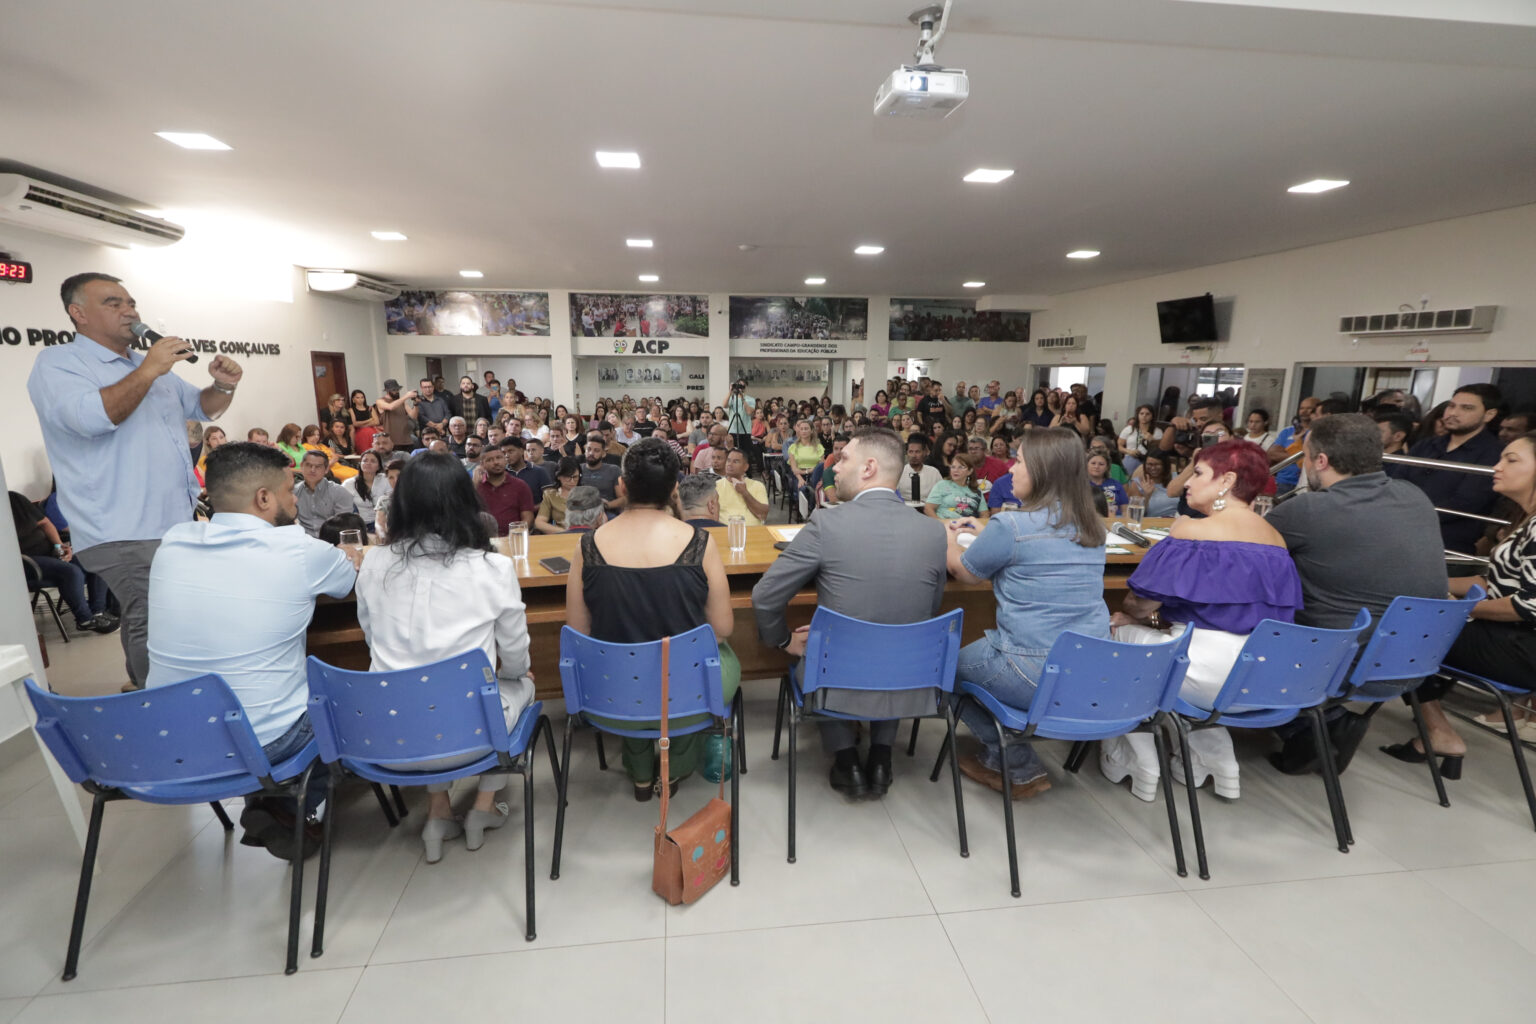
[[1194, 800], [954, 771], [564, 779], [912, 743], [1429, 749], [778, 716], [296, 890], [1013, 850], [739, 720], [384, 805], [1329, 762], [1076, 756], [53, 609], [1325, 761], [794, 720], [222, 815], [323, 879], [549, 746], [83, 893], [1165, 767], [399, 801], [602, 754], [736, 773], [528, 905], [1519, 751]]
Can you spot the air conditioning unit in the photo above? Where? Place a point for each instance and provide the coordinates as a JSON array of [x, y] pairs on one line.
[[37, 205], [1066, 343], [349, 284], [1420, 323]]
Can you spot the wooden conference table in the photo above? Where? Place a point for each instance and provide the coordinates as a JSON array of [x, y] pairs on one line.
[[335, 637]]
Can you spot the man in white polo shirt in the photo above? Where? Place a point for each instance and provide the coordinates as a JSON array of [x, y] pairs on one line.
[[234, 596]]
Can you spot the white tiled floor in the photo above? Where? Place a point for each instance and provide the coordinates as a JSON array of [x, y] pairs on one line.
[[1427, 919]]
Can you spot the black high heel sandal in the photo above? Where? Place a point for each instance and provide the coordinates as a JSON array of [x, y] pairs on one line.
[[1450, 765]]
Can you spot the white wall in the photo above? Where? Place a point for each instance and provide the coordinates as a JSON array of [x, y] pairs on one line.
[[1286, 306], [193, 290]]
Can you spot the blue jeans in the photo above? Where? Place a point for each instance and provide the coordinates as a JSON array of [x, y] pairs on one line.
[[1009, 678], [84, 592], [299, 734]]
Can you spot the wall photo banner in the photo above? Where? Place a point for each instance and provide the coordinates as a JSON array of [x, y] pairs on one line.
[[633, 315], [464, 313], [954, 320], [668, 374], [778, 372], [815, 317]]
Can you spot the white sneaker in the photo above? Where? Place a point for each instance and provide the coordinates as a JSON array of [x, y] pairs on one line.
[[1211, 752], [1134, 754]]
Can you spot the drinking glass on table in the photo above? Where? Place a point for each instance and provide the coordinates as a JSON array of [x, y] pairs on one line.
[[517, 541], [736, 532], [1137, 510], [351, 541]]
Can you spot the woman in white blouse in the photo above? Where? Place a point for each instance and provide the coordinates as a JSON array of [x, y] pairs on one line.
[[369, 488], [438, 590]]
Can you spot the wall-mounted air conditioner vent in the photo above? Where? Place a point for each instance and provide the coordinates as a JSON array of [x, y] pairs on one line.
[[349, 284], [1466, 320], [29, 203], [1066, 343]]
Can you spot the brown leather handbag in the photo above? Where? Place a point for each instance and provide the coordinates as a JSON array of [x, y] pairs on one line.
[[695, 855]]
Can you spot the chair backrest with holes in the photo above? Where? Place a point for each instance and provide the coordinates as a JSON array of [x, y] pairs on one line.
[[1412, 638], [1283, 665], [1092, 688], [449, 708], [852, 654], [622, 682], [190, 731]]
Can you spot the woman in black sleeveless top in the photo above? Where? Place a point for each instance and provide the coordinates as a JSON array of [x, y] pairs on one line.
[[645, 575]]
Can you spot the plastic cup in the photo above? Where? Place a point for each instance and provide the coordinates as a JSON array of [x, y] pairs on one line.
[[517, 541], [736, 533]]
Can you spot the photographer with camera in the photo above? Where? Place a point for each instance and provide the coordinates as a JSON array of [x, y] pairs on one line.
[[738, 406]]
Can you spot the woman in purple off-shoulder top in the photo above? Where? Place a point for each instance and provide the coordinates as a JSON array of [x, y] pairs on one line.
[[1218, 577]]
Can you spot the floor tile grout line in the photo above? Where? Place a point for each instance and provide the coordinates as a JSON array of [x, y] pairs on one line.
[[277, 975], [1516, 938], [1249, 957]]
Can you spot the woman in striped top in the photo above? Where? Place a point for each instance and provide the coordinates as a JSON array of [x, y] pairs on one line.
[[1499, 642]]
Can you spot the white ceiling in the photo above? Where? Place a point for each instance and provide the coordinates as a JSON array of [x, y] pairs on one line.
[[1162, 132]]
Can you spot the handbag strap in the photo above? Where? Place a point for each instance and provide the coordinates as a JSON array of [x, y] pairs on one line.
[[665, 744]]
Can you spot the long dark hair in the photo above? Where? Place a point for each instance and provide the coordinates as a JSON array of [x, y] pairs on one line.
[[1058, 482], [361, 480], [433, 504]]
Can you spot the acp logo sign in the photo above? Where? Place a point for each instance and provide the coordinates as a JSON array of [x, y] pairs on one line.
[[642, 346]]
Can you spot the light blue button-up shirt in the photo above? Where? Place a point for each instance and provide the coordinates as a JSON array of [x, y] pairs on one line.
[[234, 595], [128, 481]]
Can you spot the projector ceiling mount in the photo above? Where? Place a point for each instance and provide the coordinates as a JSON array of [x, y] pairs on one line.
[[926, 89], [925, 18]]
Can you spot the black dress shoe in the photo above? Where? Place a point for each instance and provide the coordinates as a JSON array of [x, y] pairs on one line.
[[850, 781], [878, 774]]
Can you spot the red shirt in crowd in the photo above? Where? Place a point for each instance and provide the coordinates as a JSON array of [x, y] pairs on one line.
[[507, 503], [992, 468]]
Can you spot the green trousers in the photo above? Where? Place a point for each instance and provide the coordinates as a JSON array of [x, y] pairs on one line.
[[640, 756]]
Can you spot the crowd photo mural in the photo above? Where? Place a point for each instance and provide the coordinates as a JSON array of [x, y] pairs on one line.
[[953, 320], [625, 315], [468, 313], [813, 318]]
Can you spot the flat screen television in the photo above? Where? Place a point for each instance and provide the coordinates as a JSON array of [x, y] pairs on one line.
[[1189, 321]]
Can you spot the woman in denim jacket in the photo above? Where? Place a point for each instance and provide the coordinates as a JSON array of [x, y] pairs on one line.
[[1046, 564]]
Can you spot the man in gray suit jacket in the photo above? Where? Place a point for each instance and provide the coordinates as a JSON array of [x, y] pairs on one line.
[[873, 559]]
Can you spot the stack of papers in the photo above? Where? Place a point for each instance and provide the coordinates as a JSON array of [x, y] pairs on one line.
[[784, 533]]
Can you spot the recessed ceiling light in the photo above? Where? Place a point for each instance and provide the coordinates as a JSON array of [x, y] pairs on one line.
[[869, 250], [192, 140], [988, 176], [639, 243], [649, 278], [975, 284], [1082, 254], [471, 273], [608, 159], [1318, 185], [389, 236], [815, 280]]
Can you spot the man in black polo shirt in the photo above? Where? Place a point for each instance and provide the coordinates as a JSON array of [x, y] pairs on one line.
[[1471, 410], [516, 449], [1359, 539]]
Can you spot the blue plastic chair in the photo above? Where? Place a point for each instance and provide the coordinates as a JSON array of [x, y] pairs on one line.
[[1410, 641], [850, 654], [376, 724], [1090, 689], [1282, 671], [621, 683], [1500, 692], [184, 743]]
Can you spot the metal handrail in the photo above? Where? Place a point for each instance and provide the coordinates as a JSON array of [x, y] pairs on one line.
[[1462, 558], [1459, 467], [1473, 515]]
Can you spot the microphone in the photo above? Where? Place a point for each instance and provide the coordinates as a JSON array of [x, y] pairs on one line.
[[144, 332]]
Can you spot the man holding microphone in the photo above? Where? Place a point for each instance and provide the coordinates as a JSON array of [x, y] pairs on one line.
[[114, 427]]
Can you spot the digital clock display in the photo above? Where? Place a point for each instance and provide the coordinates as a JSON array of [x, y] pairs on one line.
[[15, 271]]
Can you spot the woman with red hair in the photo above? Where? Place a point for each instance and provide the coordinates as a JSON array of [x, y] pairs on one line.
[[1217, 577]]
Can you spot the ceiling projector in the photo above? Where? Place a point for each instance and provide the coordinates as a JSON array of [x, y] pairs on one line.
[[924, 89]]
